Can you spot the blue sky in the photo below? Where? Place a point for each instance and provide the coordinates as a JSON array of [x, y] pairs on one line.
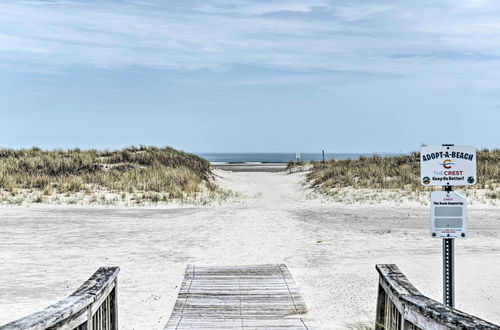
[[237, 75]]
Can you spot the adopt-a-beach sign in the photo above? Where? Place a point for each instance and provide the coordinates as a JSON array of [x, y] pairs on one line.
[[448, 166]]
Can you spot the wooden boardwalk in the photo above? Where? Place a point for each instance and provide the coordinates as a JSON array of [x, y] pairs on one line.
[[239, 297]]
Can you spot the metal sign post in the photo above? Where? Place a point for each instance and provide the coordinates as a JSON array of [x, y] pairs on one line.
[[449, 272], [448, 166]]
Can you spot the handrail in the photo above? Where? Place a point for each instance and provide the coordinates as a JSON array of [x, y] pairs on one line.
[[93, 306], [401, 306]]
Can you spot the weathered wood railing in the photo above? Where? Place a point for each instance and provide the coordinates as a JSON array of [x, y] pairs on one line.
[[400, 306], [93, 306]]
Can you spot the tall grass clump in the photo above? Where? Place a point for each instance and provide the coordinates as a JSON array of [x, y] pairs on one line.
[[400, 172], [167, 172]]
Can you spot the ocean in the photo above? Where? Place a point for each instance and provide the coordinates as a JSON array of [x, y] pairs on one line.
[[256, 158]]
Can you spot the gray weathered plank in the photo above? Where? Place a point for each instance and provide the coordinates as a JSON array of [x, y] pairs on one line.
[[239, 297]]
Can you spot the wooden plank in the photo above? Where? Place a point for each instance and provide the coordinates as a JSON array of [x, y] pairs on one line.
[[239, 297]]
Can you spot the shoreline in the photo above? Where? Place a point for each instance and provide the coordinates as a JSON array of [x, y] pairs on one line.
[[250, 167]]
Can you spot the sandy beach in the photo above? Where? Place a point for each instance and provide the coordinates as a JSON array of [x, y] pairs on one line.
[[330, 249]]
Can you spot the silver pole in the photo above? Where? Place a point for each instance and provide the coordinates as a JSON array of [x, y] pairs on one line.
[[449, 272]]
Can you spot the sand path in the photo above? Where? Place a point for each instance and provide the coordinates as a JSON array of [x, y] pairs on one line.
[[331, 250]]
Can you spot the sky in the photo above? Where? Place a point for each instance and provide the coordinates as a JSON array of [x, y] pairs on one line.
[[250, 75]]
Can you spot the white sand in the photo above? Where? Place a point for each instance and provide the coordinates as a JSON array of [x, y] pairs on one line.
[[46, 251]]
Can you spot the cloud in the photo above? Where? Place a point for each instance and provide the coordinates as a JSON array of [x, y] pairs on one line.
[[458, 56], [361, 36]]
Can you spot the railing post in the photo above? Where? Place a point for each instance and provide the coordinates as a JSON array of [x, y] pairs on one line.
[[380, 316], [90, 325], [115, 306]]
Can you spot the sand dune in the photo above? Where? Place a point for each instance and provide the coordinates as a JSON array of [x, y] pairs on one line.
[[330, 249]]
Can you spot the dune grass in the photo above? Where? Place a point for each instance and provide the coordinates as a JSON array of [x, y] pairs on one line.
[[136, 173], [394, 173]]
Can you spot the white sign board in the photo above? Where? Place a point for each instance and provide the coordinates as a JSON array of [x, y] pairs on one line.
[[448, 166], [448, 214]]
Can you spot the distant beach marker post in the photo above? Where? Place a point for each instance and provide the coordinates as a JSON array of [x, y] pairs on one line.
[[448, 166]]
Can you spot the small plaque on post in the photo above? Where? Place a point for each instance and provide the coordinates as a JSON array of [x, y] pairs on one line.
[[448, 214]]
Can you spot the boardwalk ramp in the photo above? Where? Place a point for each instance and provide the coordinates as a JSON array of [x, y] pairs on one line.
[[239, 297]]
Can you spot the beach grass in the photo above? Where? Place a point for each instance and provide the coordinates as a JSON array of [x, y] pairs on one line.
[[135, 174], [393, 173]]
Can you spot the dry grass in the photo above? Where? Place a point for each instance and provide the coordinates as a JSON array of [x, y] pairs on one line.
[[135, 174], [395, 173]]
